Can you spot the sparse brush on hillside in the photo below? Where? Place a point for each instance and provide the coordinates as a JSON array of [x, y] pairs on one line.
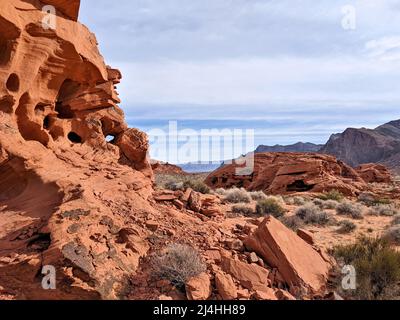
[[367, 198], [257, 195], [236, 195], [396, 220], [349, 209], [220, 191], [181, 182], [330, 204], [243, 209], [383, 210], [177, 263], [270, 206], [292, 222], [346, 226], [312, 214], [332, 195], [297, 201], [377, 267], [393, 235]]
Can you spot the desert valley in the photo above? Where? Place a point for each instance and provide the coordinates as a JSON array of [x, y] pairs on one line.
[[115, 224]]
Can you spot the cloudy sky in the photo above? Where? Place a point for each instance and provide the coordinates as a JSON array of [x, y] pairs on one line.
[[292, 70]]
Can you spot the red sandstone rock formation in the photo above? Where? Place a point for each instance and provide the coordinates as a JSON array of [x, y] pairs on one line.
[[280, 173], [66, 194], [373, 172], [300, 265]]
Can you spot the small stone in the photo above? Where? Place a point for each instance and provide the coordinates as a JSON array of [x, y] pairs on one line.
[[152, 225]]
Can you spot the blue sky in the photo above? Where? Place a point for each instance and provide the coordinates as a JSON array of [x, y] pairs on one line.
[[285, 68]]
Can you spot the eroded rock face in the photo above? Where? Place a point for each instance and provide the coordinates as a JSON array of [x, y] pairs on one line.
[[301, 266], [372, 172], [67, 192], [281, 173]]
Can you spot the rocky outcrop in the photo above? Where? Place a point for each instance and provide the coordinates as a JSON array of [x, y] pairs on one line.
[[361, 146], [281, 173], [302, 268], [374, 173], [166, 168], [72, 173]]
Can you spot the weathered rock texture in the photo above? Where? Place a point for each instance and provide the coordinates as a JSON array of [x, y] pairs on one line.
[[66, 194], [361, 146], [300, 265], [372, 172], [280, 173]]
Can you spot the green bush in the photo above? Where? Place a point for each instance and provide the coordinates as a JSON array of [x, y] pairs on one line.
[[236, 195], [271, 207], [178, 263], [196, 185], [377, 267], [350, 209], [330, 204], [332, 195]]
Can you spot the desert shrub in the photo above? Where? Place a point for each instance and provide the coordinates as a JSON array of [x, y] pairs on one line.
[[330, 204], [173, 185], [366, 198], [377, 267], [318, 202], [311, 214], [332, 195], [297, 201], [383, 201], [196, 185], [346, 226], [178, 263], [383, 210], [292, 222], [257, 195], [270, 206], [236, 195], [350, 209], [396, 220], [393, 235], [243, 209], [220, 191]]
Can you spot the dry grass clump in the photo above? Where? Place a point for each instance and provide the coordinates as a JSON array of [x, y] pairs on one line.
[[270, 206], [377, 266], [383, 210], [237, 195], [296, 201], [177, 263], [396, 220], [312, 214], [220, 191], [346, 226], [243, 209], [257, 195], [332, 195], [182, 182], [292, 222], [349, 209], [393, 235]]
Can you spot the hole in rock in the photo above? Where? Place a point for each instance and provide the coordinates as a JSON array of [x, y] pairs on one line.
[[67, 91], [46, 122], [299, 186], [40, 108], [110, 138], [6, 49], [214, 180], [74, 137], [13, 83], [40, 242]]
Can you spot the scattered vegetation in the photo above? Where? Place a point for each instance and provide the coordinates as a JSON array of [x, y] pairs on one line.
[[243, 209], [330, 204], [182, 182], [349, 209], [377, 266], [177, 263], [396, 220], [312, 214], [383, 210], [292, 222], [270, 206], [236, 195], [220, 191], [393, 235], [332, 195], [257, 195], [346, 226], [369, 199], [297, 201]]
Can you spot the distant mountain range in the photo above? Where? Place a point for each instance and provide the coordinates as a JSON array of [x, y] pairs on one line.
[[353, 146], [297, 147], [358, 146]]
